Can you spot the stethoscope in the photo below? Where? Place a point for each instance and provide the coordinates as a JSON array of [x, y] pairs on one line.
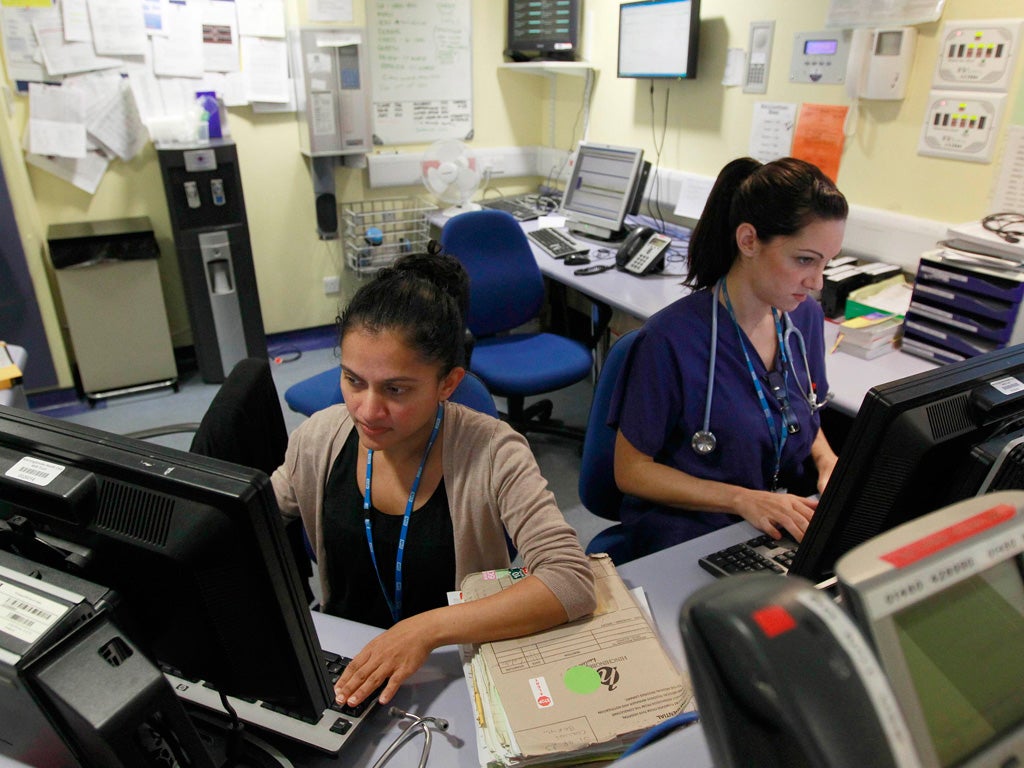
[[704, 440]]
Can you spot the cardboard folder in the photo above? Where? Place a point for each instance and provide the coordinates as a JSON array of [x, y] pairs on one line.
[[587, 688]]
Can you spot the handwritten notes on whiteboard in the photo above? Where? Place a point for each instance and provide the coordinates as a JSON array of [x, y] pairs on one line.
[[421, 70]]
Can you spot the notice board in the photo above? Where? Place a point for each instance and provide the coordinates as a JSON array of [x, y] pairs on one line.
[[421, 70]]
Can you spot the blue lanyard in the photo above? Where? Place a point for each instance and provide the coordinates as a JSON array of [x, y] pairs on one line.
[[395, 606], [779, 443]]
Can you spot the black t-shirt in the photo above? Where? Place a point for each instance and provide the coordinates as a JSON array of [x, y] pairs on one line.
[[428, 566]]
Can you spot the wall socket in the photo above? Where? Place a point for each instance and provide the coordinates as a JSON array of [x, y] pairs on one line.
[[961, 125], [332, 285]]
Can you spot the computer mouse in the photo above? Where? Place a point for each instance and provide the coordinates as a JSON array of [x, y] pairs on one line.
[[576, 260]]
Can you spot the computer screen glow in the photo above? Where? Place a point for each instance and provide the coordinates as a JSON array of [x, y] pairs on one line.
[[602, 188], [658, 38]]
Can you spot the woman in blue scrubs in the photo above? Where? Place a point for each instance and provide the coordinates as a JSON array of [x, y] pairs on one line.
[[717, 406]]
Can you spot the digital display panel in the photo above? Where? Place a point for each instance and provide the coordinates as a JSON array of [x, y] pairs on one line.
[[821, 47]]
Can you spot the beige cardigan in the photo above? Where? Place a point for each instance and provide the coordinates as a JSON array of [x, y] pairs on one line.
[[492, 480]]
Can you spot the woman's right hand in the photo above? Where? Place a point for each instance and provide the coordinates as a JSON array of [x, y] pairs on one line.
[[772, 512]]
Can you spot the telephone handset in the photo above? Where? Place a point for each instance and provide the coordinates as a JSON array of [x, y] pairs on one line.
[[783, 677], [643, 251]]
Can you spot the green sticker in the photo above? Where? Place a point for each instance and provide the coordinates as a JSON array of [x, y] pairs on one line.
[[582, 679]]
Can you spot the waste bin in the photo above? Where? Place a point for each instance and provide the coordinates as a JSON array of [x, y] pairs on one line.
[[113, 306]]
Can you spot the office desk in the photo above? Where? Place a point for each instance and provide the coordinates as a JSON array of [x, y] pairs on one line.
[[439, 689], [639, 297], [850, 377]]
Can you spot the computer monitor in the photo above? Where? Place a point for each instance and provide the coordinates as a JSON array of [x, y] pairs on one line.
[[194, 548], [659, 39], [914, 448], [543, 29], [606, 184]]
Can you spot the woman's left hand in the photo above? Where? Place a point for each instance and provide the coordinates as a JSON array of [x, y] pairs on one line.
[[390, 657]]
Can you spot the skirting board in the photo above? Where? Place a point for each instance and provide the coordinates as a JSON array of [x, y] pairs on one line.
[[871, 233]]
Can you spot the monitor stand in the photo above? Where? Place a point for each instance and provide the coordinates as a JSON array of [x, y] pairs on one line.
[[595, 232]]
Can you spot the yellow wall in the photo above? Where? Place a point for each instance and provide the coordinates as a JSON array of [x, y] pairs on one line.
[[707, 125]]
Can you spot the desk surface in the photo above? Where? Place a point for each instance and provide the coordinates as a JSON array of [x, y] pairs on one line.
[[439, 688], [850, 377]]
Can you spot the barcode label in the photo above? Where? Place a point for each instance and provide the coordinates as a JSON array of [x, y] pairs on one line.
[[35, 471], [26, 615]]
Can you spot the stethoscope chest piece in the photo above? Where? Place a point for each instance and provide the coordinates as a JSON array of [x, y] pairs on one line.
[[703, 442]]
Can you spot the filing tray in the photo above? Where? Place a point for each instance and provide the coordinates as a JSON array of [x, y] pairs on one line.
[[962, 307]]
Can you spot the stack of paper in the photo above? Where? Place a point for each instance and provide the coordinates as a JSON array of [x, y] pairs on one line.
[[869, 335], [584, 690]]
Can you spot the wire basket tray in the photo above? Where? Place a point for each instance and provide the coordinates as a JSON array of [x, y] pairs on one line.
[[403, 225]]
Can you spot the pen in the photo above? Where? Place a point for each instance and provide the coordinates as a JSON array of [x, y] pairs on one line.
[[836, 345]]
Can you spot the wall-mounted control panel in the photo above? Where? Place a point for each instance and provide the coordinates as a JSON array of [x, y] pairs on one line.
[[961, 125], [977, 55], [820, 57], [332, 91], [759, 56]]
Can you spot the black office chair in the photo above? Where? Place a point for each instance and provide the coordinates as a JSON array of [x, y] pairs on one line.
[[507, 291], [244, 424]]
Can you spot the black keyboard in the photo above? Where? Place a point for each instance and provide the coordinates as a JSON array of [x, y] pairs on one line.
[[556, 243], [762, 553], [521, 208], [328, 733]]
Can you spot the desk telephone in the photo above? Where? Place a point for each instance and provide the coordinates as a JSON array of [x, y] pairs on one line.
[[919, 668], [643, 251]]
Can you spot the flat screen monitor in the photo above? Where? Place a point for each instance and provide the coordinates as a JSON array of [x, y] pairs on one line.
[[659, 38], [913, 448], [193, 547], [605, 185], [543, 29]]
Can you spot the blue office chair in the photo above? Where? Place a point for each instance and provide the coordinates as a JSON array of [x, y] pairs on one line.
[[506, 290], [597, 488], [324, 389]]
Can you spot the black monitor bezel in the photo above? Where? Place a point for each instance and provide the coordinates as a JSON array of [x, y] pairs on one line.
[[873, 484], [291, 673], [547, 47], [693, 44]]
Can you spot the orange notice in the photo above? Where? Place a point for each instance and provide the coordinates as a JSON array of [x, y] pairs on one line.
[[818, 137]]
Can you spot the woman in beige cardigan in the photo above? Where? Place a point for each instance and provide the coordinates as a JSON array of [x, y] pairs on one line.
[[403, 494]]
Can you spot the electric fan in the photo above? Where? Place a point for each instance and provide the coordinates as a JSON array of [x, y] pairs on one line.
[[449, 173]]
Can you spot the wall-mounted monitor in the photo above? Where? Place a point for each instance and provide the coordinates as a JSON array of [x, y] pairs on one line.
[[658, 38], [605, 185], [543, 29]]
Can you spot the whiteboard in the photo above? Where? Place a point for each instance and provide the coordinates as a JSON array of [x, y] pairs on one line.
[[420, 70]]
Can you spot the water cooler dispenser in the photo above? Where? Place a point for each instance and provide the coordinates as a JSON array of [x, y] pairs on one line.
[[211, 235]]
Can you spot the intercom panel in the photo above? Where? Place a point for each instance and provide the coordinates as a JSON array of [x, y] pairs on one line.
[[820, 57], [977, 55], [759, 56], [889, 62]]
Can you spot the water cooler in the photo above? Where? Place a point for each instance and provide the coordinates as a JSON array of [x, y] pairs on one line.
[[211, 234]]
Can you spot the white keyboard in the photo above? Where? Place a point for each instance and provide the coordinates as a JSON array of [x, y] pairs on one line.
[[556, 243], [328, 733]]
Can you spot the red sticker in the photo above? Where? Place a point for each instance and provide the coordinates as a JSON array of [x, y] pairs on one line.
[[774, 620], [938, 541]]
